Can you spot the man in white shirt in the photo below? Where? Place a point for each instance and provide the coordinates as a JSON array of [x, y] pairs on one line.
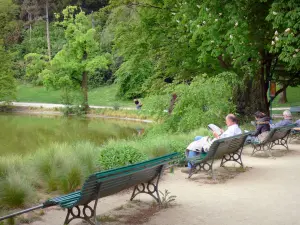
[[233, 128], [204, 143]]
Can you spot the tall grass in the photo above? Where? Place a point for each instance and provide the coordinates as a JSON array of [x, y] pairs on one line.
[[64, 167]]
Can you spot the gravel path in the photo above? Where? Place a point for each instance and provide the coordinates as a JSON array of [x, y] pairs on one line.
[[266, 194]]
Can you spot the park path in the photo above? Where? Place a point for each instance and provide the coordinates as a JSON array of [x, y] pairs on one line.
[[266, 194], [52, 105]]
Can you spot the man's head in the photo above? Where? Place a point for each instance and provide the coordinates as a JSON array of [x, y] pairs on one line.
[[231, 120], [287, 115]]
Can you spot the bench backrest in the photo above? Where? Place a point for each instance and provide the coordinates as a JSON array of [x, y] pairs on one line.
[[224, 146], [230, 144], [112, 181], [279, 132], [295, 109]]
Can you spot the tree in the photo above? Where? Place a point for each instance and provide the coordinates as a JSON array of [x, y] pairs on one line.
[[10, 31], [79, 57], [7, 82], [181, 40]]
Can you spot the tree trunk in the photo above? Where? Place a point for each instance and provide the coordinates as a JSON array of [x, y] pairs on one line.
[[282, 96], [84, 88], [47, 29], [30, 26]]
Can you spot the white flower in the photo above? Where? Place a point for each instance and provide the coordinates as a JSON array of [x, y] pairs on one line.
[[216, 20], [212, 41], [204, 22], [220, 14], [198, 6], [275, 13], [295, 55], [198, 25], [207, 9], [174, 14], [273, 42], [236, 24], [276, 38], [287, 30], [230, 36], [177, 21], [276, 32], [296, 50]]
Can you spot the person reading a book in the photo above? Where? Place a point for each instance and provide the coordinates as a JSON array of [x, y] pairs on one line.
[[202, 144]]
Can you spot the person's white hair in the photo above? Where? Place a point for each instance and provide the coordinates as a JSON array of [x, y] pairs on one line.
[[287, 114]]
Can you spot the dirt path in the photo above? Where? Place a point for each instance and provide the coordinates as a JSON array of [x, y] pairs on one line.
[[266, 194]]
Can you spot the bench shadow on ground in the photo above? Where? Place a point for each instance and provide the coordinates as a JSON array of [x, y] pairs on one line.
[[133, 212], [221, 175]]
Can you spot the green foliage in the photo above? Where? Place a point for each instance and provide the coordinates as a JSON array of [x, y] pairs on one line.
[[205, 100], [35, 64], [285, 20], [35, 41], [10, 27], [119, 154], [7, 82], [80, 55]]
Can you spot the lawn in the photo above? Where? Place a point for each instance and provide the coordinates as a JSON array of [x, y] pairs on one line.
[[100, 96], [293, 97]]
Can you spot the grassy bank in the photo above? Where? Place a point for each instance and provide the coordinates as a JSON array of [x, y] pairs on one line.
[[99, 96], [62, 168]]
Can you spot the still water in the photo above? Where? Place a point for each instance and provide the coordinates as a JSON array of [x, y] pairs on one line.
[[20, 134]]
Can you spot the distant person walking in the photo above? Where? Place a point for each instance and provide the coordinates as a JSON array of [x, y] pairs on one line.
[[138, 104]]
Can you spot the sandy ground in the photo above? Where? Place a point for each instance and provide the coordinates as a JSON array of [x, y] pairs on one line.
[[267, 193]]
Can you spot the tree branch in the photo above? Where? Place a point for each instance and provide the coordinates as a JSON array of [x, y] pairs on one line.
[[147, 5], [222, 62]]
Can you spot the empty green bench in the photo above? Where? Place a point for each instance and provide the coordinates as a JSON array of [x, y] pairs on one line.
[[144, 177], [277, 136], [228, 149]]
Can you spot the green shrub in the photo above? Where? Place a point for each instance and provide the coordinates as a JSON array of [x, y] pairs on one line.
[[15, 190], [121, 154]]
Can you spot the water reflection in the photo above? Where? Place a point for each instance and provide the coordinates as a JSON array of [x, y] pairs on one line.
[[23, 134]]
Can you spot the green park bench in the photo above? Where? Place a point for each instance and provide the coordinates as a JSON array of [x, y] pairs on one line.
[[228, 149], [144, 177], [277, 136]]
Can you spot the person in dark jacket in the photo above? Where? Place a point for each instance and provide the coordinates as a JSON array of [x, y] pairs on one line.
[[262, 123], [262, 128]]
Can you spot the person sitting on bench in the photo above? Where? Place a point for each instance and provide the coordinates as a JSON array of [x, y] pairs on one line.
[[287, 120], [262, 128], [202, 144]]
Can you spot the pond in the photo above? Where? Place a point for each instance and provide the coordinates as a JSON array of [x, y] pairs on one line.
[[22, 134]]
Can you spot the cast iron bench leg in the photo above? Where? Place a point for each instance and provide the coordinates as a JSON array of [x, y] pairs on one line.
[[150, 188], [235, 157], [207, 166], [86, 213], [283, 142]]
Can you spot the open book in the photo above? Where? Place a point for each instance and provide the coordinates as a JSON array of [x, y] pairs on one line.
[[215, 129]]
